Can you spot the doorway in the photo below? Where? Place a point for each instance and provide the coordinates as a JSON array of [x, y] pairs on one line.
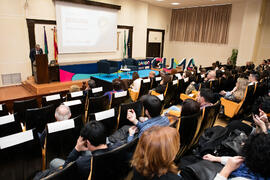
[[155, 43]]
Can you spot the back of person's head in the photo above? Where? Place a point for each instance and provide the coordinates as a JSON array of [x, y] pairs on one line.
[[242, 84], [256, 152], [135, 76], [94, 132], [219, 73], [254, 75], [207, 94], [152, 104], [152, 74], [190, 107], [62, 112], [91, 83], [166, 79], [156, 151], [117, 84], [211, 75], [74, 88], [173, 72]]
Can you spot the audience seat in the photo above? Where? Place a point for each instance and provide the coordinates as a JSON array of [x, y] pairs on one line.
[[231, 108], [113, 165], [20, 107], [9, 124], [67, 173], [97, 104], [133, 95], [55, 99], [76, 107], [76, 95], [145, 87], [187, 126], [3, 110], [118, 98], [39, 117], [108, 118], [61, 138], [155, 82], [20, 156], [170, 93], [122, 118]]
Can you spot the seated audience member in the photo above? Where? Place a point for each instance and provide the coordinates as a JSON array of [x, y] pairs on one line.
[[172, 73], [152, 74], [238, 92], [253, 164], [92, 138], [253, 78], [165, 79], [74, 88], [193, 86], [190, 107], [154, 156], [62, 112], [136, 82], [91, 84], [152, 109], [83, 85], [116, 83], [205, 97], [211, 76]]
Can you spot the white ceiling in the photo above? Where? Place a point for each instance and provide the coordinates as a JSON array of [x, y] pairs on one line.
[[188, 3]]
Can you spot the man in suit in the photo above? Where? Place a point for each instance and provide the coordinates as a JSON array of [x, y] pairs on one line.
[[33, 53]]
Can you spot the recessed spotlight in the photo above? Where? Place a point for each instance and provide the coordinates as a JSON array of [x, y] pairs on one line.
[[175, 3]]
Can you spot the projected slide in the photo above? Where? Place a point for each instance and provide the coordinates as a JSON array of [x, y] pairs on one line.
[[82, 28]]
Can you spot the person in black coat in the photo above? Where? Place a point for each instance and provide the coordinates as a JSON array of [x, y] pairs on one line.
[[33, 53]]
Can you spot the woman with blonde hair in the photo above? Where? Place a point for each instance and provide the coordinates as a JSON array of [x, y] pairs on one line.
[[238, 92], [155, 153]]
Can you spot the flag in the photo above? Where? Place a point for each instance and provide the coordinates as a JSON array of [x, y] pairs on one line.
[[55, 44], [128, 47], [45, 42], [125, 46]]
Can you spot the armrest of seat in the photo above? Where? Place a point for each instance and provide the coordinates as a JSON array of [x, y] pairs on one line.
[[183, 97], [230, 108], [133, 95], [154, 93]]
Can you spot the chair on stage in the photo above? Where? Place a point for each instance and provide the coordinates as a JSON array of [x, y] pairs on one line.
[[113, 165], [39, 117], [55, 99], [9, 124], [3, 110], [118, 98], [107, 67], [122, 118], [20, 156], [76, 107], [108, 118], [20, 107], [131, 64], [61, 138]]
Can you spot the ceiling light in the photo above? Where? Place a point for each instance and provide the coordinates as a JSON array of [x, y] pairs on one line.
[[159, 0], [175, 3]]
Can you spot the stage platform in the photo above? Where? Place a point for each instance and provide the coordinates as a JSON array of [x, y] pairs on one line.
[[49, 88]]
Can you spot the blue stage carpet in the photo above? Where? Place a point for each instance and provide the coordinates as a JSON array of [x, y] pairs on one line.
[[110, 77]]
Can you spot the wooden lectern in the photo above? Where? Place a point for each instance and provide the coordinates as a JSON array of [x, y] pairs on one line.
[[41, 69]]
